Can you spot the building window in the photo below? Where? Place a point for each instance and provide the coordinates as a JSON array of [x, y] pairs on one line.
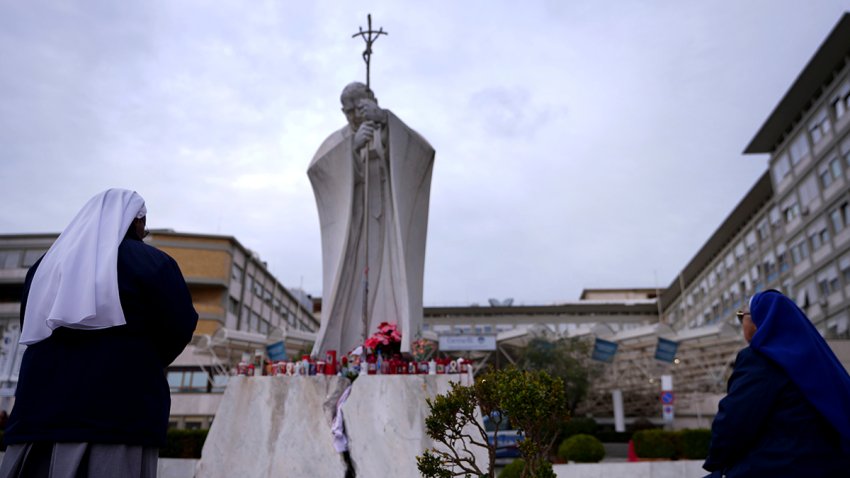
[[791, 211], [187, 381], [236, 274], [841, 101], [819, 126], [233, 306], [750, 241], [770, 270], [808, 190], [844, 265], [800, 251], [781, 168], [782, 259], [835, 167], [839, 217], [830, 171], [246, 319], [31, 256], [799, 149], [819, 237], [763, 230], [10, 259], [828, 281]]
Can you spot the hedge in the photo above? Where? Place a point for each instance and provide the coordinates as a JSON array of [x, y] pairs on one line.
[[656, 444], [183, 444], [688, 444], [695, 444]]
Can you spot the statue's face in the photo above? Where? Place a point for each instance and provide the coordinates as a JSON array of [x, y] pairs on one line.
[[351, 112]]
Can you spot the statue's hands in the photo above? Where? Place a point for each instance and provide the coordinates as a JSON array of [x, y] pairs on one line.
[[369, 111], [364, 134]]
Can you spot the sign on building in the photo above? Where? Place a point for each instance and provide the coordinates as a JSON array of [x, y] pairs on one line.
[[276, 351], [604, 350], [666, 350], [450, 343]]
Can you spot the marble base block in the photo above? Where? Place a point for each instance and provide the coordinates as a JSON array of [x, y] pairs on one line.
[[281, 427], [385, 423], [274, 427]]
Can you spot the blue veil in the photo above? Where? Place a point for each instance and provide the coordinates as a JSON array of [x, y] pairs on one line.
[[787, 337]]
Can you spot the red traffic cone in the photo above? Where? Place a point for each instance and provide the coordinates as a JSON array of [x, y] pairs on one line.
[[632, 456]]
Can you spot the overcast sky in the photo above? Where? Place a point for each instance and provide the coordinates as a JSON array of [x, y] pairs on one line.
[[579, 144]]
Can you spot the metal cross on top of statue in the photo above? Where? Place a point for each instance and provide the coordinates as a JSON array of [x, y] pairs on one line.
[[369, 36]]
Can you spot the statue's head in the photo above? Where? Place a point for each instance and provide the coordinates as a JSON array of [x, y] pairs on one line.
[[351, 96]]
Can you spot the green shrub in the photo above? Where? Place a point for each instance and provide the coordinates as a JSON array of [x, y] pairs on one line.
[[183, 444], [655, 444], [582, 448], [578, 425], [513, 470], [695, 443]]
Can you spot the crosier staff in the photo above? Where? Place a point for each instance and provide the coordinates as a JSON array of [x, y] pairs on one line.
[[369, 36]]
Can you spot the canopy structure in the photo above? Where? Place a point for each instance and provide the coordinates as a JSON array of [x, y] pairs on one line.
[[701, 364]]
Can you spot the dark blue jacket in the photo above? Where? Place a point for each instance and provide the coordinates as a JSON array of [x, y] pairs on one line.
[[108, 385], [765, 427]]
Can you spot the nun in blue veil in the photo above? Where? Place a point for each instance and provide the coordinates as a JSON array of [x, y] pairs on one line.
[[787, 408]]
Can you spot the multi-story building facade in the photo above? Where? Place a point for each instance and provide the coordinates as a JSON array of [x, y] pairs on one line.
[[790, 232]]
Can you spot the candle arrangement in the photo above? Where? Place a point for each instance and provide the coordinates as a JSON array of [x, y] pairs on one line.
[[379, 355]]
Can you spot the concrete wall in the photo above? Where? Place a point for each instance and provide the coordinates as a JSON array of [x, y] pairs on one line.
[[643, 469]]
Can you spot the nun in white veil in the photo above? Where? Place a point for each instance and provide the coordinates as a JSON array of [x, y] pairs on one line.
[[102, 315]]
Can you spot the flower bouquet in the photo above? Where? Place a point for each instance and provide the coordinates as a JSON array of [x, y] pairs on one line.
[[387, 340], [422, 349]]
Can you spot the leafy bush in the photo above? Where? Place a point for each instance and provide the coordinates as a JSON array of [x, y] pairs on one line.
[[656, 444], [183, 444], [513, 470], [582, 448], [695, 443]]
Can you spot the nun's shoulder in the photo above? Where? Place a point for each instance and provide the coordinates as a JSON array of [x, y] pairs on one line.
[[143, 255], [750, 359]]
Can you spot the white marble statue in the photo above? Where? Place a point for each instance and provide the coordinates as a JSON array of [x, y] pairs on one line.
[[399, 183]]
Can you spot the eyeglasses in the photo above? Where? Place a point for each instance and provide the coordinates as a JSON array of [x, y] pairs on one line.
[[740, 316]]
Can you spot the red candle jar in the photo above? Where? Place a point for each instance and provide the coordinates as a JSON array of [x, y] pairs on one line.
[[371, 364], [330, 362]]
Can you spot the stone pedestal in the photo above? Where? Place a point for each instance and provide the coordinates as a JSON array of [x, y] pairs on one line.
[[281, 426], [274, 427], [385, 423]]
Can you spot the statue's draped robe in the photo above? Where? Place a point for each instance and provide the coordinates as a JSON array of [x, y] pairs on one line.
[[399, 190]]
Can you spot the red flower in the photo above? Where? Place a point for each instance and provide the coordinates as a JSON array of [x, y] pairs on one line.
[[387, 334]]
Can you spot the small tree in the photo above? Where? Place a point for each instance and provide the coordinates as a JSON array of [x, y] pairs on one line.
[[565, 358], [533, 400]]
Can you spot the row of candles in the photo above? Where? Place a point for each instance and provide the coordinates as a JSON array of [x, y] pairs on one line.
[[375, 364]]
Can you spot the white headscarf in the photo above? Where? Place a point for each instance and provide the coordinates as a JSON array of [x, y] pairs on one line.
[[76, 284]]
